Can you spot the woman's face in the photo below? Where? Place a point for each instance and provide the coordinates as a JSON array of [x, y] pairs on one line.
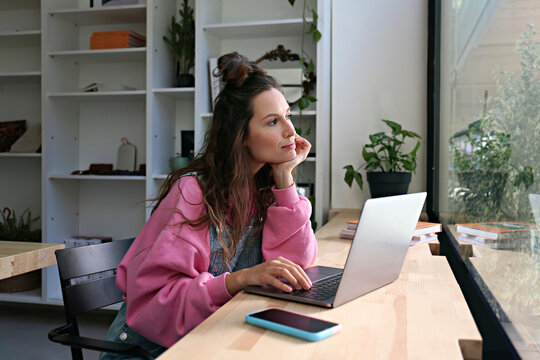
[[270, 131]]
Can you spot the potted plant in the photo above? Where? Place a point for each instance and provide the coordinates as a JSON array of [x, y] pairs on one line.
[[19, 229], [388, 167], [182, 41], [481, 158]]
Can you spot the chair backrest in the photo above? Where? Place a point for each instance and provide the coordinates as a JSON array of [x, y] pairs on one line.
[[88, 276]]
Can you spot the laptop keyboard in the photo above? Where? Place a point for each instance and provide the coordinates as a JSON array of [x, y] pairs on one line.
[[322, 289]]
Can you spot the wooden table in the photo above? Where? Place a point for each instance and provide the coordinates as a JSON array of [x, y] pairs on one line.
[[17, 257], [422, 315]]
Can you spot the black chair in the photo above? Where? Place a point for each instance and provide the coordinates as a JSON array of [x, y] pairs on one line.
[[87, 277]]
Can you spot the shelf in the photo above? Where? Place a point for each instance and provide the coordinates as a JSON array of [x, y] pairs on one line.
[[96, 177], [132, 95], [32, 296], [177, 93], [311, 159], [160, 176], [137, 54], [20, 77], [104, 15], [22, 38], [20, 155], [256, 29]]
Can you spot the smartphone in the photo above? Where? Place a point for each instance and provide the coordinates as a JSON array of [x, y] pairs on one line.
[[293, 324]]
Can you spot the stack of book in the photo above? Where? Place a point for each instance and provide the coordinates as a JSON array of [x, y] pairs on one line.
[[116, 39], [424, 232], [496, 235]]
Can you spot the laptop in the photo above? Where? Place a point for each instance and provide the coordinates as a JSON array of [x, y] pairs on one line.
[[375, 258]]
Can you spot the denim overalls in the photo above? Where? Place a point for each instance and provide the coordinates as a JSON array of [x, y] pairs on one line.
[[248, 254]]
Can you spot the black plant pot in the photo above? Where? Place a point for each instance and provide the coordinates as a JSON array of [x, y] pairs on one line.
[[185, 80], [388, 184]]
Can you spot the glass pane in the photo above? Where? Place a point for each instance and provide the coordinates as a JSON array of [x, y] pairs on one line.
[[489, 195]]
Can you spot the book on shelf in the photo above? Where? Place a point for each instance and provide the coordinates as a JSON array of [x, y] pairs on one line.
[[424, 227], [420, 239], [494, 244], [347, 234], [425, 231], [94, 87], [497, 230], [116, 39]]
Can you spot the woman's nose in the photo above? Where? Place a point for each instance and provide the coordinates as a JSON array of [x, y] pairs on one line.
[[289, 129]]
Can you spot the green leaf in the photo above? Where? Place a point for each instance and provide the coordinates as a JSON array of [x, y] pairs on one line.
[[410, 134], [349, 174], [396, 128], [367, 155], [358, 178], [292, 2], [310, 67], [310, 98], [315, 16], [303, 103], [298, 131], [317, 36]]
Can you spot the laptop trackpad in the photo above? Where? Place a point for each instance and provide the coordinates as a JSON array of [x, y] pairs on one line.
[[317, 273]]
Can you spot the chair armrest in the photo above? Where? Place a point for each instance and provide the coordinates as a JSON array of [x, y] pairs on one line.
[[61, 335]]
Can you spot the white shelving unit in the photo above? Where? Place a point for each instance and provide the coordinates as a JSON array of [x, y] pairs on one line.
[[83, 128], [20, 99], [253, 28]]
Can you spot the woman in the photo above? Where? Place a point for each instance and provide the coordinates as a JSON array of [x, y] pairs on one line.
[[232, 218]]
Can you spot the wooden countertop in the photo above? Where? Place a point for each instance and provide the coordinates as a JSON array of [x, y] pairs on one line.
[[422, 315], [18, 257]]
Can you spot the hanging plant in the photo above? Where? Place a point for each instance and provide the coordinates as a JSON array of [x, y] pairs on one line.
[[306, 61]]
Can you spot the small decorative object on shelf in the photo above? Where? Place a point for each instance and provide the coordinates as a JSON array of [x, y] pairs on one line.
[[386, 162], [178, 162], [116, 40], [10, 132], [182, 41], [29, 142], [127, 156]]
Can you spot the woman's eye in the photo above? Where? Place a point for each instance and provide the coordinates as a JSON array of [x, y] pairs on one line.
[[273, 122], [288, 117]]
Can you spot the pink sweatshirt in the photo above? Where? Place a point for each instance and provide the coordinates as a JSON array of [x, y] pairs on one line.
[[164, 275]]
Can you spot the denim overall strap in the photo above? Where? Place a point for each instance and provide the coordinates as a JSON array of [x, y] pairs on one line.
[[248, 251]]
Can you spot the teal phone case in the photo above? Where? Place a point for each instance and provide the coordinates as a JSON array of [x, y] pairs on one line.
[[284, 329]]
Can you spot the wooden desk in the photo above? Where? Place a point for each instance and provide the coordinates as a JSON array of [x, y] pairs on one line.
[[422, 315], [17, 257]]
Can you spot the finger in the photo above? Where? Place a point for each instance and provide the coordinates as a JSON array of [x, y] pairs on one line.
[[300, 276], [284, 273], [297, 271], [275, 282]]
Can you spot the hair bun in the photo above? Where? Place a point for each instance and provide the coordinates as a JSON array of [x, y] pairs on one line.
[[235, 68]]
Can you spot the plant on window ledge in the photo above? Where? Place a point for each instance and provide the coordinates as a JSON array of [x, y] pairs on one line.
[[388, 167]]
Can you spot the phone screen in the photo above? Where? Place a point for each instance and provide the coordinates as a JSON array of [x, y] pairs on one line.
[[293, 320]]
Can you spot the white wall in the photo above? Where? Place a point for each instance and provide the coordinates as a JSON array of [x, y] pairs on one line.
[[379, 54]]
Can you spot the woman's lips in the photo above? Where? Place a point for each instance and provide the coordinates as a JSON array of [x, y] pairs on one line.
[[289, 147]]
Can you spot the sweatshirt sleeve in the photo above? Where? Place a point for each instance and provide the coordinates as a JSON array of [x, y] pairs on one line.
[[168, 290], [287, 230]]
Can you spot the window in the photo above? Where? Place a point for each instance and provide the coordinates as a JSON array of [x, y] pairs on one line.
[[489, 154]]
